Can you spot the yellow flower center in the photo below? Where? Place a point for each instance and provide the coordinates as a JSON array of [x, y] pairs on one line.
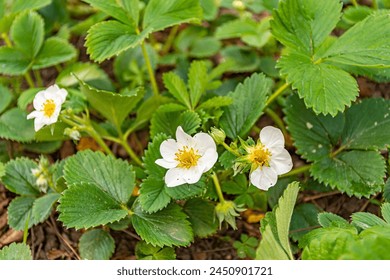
[[48, 108], [187, 157], [259, 155]]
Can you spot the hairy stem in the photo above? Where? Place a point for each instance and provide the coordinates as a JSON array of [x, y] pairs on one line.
[[227, 147], [171, 37], [277, 120], [278, 92], [218, 187], [130, 152], [150, 70]]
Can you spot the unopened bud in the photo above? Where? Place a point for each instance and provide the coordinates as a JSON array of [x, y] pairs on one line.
[[73, 133], [218, 135], [238, 5]]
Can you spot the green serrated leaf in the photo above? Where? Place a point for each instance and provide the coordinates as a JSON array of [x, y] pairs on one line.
[[96, 244], [366, 220], [22, 5], [199, 214], [153, 196], [168, 227], [385, 209], [113, 176], [114, 9], [324, 88], [5, 98], [27, 97], [343, 148], [352, 172], [16, 251], [22, 132], [304, 24], [114, 107], [43, 206], [215, 102], [54, 51], [303, 220], [87, 72], [328, 244], [85, 205], [367, 125], [145, 251], [152, 154], [20, 213], [275, 233], [109, 38], [177, 88], [160, 15], [18, 177], [332, 220], [169, 116], [27, 33], [248, 102], [197, 81], [349, 49], [13, 61]]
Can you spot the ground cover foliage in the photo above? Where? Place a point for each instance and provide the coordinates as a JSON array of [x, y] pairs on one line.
[[184, 120]]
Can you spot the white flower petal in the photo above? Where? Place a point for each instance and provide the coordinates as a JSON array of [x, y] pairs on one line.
[[63, 93], [182, 138], [272, 138], [173, 177], [191, 175], [166, 164], [264, 178], [168, 149], [282, 162], [39, 100], [204, 142], [34, 114], [207, 161], [38, 123]]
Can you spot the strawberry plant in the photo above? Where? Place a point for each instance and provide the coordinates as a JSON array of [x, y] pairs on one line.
[[176, 121]]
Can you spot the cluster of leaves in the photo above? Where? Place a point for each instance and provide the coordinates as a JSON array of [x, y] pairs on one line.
[[100, 193]]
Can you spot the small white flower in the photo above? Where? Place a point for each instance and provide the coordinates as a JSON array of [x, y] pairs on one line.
[[36, 172], [269, 158], [47, 104], [187, 158]]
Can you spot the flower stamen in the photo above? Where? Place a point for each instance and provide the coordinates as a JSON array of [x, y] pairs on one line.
[[187, 157], [48, 108], [259, 156]]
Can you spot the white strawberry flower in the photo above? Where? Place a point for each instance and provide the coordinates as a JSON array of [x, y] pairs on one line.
[[47, 104], [187, 158], [268, 158]]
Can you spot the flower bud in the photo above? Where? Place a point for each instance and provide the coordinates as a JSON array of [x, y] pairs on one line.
[[238, 5], [218, 135], [73, 133], [228, 211]]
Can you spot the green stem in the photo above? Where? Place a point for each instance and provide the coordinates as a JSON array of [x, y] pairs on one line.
[[278, 92], [38, 78], [85, 125], [374, 4], [124, 207], [277, 120], [339, 150], [99, 140], [150, 70], [218, 187], [171, 37], [6, 39], [130, 152], [355, 3], [227, 147], [29, 80], [296, 171]]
